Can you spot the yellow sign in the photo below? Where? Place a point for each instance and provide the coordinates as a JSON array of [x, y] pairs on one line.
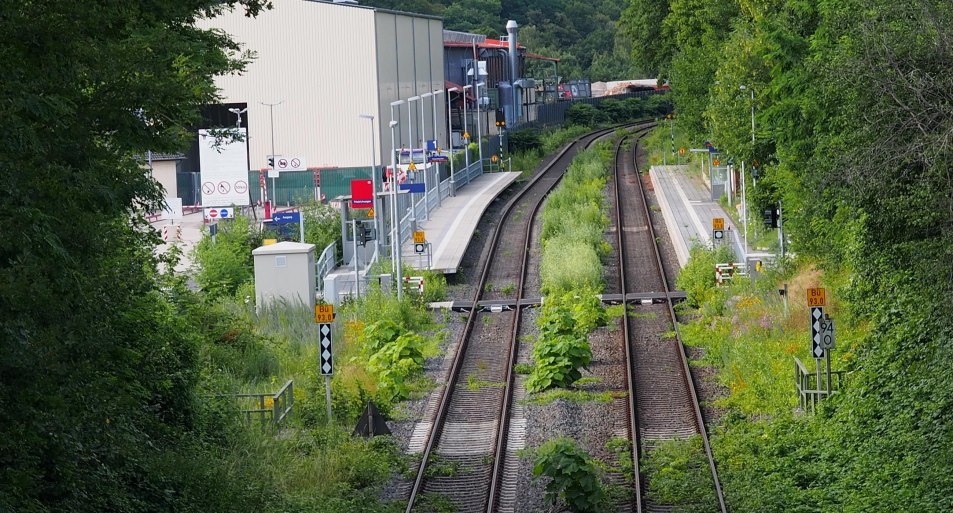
[[466, 135], [718, 223], [816, 297], [323, 313], [269, 242], [494, 159], [420, 237], [412, 166], [682, 150], [716, 162], [370, 213]]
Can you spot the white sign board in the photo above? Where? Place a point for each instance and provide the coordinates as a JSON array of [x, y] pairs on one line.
[[224, 168], [173, 209], [283, 163]]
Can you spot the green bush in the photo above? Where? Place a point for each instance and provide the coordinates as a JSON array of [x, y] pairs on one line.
[[226, 264], [697, 279], [574, 478], [562, 347], [395, 363], [524, 140], [677, 474]]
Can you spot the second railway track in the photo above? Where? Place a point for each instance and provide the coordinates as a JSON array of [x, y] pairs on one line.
[[664, 404]]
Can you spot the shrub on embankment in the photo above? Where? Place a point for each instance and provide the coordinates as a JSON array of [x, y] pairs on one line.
[[573, 226]]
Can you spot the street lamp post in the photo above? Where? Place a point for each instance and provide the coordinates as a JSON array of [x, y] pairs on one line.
[[376, 205], [271, 108], [479, 132], [466, 140], [434, 96], [423, 136], [394, 221], [453, 191], [394, 218], [410, 137]]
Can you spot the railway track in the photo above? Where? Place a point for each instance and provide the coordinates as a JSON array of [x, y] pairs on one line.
[[663, 403], [462, 459]]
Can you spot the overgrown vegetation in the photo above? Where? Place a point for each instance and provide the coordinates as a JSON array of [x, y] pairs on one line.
[[678, 475], [573, 477], [829, 81], [573, 223]]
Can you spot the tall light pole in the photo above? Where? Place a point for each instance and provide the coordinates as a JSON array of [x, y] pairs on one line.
[[271, 108], [434, 96], [423, 135], [479, 132], [395, 222], [377, 210], [394, 216], [466, 139], [410, 135], [453, 191]]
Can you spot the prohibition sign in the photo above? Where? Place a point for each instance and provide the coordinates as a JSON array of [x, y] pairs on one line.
[[241, 187], [282, 163], [224, 187], [208, 188], [295, 163]]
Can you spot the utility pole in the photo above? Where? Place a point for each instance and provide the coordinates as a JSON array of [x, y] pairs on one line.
[[271, 109]]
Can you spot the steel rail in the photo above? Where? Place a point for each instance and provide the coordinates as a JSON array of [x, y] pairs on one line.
[[503, 431], [686, 372], [457, 363], [629, 364]]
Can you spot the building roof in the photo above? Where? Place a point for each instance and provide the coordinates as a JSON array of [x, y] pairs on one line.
[[159, 157], [453, 39], [283, 248]]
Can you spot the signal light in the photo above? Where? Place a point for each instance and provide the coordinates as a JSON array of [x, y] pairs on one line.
[[771, 217]]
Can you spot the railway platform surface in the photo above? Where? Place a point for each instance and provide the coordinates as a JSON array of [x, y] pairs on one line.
[[450, 226], [688, 210]]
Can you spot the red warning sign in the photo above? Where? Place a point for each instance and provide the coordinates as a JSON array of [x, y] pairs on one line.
[[362, 194]]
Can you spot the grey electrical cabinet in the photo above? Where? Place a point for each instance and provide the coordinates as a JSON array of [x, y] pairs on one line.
[[285, 272]]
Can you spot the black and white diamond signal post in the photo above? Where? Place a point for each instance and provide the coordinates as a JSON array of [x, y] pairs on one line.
[[324, 317], [817, 318], [324, 335], [822, 334]]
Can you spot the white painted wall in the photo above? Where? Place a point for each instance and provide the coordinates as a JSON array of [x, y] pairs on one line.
[[328, 63]]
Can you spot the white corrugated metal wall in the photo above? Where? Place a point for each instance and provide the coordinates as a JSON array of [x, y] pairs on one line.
[[327, 64], [410, 63]]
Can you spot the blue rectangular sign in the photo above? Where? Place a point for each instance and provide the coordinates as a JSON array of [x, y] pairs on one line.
[[438, 158], [413, 187], [286, 217]]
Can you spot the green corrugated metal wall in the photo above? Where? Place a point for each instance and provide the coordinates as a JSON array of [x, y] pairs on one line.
[[294, 187]]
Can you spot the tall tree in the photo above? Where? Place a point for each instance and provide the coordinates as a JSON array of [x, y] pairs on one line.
[[96, 370]]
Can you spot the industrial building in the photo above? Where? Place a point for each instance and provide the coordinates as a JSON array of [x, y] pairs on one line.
[[319, 66]]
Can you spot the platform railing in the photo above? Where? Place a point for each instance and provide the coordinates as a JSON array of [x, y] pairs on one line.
[[425, 204], [324, 265]]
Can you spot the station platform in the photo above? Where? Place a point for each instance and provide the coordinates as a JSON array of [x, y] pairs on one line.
[[450, 226], [688, 210]]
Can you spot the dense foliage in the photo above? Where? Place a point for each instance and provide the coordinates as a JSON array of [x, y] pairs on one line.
[[583, 35], [97, 410], [853, 120], [573, 477], [573, 223]]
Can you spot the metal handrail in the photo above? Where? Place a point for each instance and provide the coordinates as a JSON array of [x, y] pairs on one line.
[[324, 265], [282, 405]]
